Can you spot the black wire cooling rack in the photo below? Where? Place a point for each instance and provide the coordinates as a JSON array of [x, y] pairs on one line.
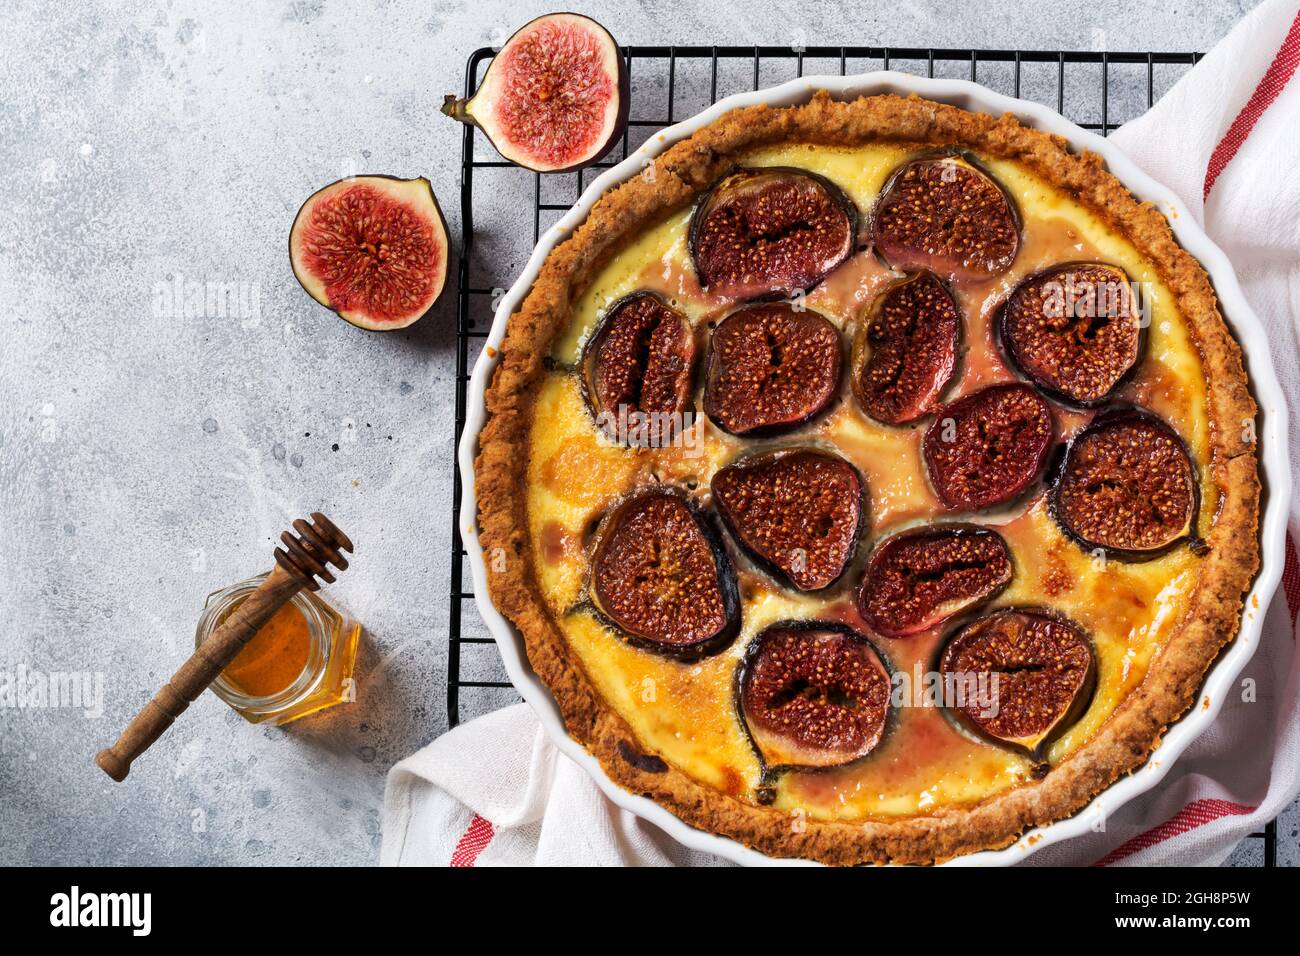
[[1099, 91]]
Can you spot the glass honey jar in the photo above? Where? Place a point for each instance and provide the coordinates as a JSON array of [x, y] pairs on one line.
[[298, 663]]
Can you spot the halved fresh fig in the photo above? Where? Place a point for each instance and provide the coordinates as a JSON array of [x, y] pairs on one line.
[[797, 512], [1074, 330], [905, 351], [637, 370], [555, 98], [771, 368], [1127, 485], [1037, 672], [660, 575], [917, 579], [989, 446], [813, 694], [943, 213], [372, 248], [771, 232]]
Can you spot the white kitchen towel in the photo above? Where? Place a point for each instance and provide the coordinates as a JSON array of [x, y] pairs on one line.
[[1225, 138]]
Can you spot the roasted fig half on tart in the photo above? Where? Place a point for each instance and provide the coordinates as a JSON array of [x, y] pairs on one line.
[[796, 511], [905, 350], [917, 579], [637, 370], [1075, 330], [770, 233], [555, 98], [1127, 486], [942, 212], [813, 694], [373, 249], [1026, 675], [988, 447], [771, 368], [660, 575]]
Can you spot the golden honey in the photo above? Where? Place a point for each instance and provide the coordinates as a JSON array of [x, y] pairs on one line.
[[299, 662]]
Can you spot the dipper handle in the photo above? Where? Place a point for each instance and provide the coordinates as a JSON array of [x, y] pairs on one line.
[[297, 565]]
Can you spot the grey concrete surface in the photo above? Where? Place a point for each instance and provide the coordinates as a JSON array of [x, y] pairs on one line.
[[150, 454]]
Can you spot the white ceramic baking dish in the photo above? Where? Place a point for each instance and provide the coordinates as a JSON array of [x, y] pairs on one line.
[[1246, 326]]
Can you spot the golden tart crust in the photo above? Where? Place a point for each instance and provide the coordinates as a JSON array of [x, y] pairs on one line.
[[675, 180]]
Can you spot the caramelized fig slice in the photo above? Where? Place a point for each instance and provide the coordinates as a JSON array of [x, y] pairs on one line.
[[797, 512], [771, 368], [1074, 330], [917, 579], [771, 232], [660, 575], [988, 447], [813, 694], [637, 368], [941, 212], [1127, 485], [1024, 677], [905, 353]]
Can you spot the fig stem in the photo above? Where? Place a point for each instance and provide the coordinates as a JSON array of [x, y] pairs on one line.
[[456, 108]]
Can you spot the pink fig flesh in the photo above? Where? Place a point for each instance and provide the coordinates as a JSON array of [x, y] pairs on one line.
[[373, 249], [555, 98]]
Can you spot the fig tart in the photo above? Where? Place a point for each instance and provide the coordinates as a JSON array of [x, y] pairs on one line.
[[870, 481]]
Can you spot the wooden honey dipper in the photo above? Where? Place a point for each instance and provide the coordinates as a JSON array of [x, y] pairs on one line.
[[298, 564]]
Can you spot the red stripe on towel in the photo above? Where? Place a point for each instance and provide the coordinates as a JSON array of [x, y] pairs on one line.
[[473, 841], [1195, 814], [1275, 78], [1291, 580]]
